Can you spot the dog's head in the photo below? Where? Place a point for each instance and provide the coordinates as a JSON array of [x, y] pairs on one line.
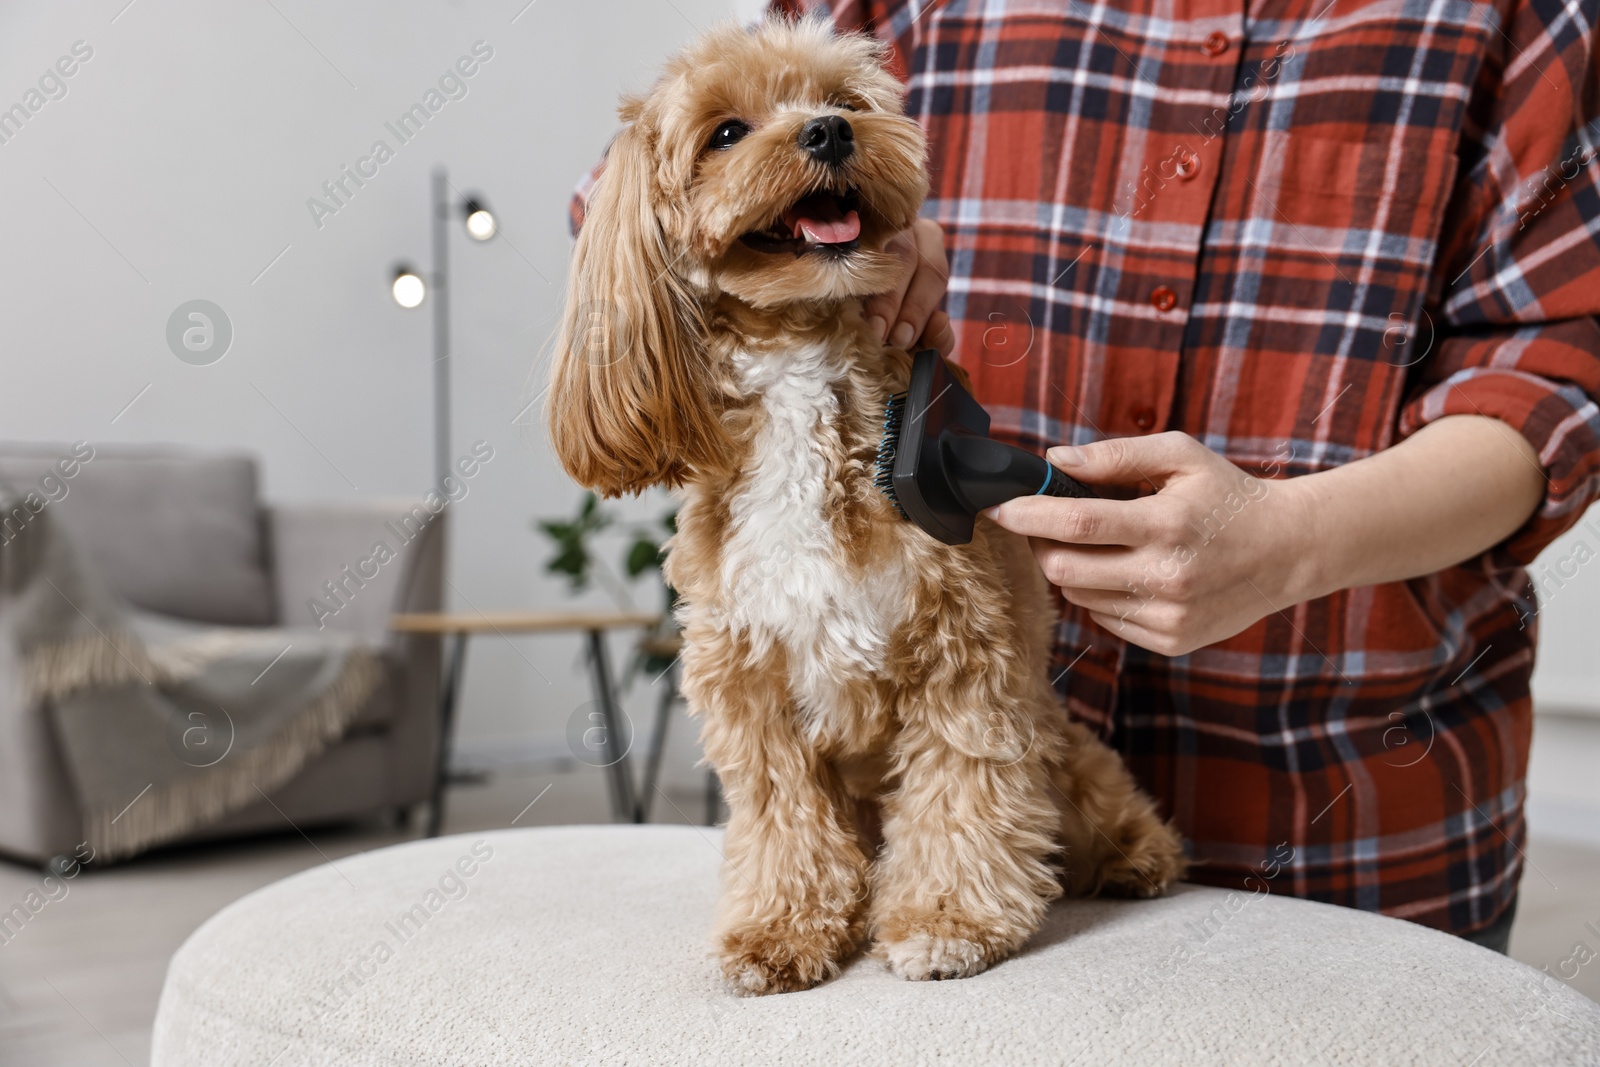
[[766, 166]]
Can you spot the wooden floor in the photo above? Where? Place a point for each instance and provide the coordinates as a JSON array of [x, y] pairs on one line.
[[79, 984]]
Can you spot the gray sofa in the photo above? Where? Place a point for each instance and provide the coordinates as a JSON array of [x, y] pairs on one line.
[[183, 534]]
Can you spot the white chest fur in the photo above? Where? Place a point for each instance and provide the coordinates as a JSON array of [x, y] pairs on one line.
[[787, 578]]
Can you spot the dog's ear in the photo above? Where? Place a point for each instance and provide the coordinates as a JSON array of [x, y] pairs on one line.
[[632, 400]]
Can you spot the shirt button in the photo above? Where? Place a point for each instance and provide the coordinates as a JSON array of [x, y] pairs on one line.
[[1163, 298], [1144, 417], [1187, 165], [1215, 44]]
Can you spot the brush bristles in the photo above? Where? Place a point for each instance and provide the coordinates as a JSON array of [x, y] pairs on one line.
[[894, 410]]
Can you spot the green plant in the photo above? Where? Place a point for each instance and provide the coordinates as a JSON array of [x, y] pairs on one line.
[[572, 557], [646, 552], [576, 558]]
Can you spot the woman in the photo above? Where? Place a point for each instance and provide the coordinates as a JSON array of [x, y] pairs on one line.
[[1308, 291]]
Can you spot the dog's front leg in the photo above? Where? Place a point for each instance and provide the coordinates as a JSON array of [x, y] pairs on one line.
[[793, 883], [964, 876]]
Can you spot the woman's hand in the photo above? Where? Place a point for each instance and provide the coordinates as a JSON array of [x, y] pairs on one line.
[[1215, 549], [1212, 551], [908, 312]]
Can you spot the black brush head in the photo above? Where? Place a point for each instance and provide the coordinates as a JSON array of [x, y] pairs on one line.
[[937, 464], [911, 470], [894, 410]]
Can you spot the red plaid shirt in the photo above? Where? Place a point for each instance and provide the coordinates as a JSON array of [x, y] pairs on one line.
[[1297, 230]]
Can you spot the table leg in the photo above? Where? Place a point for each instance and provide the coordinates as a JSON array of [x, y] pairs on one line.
[[623, 806], [658, 743], [448, 692], [713, 797]]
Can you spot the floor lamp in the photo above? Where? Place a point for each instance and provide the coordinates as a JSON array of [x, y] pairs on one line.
[[411, 291]]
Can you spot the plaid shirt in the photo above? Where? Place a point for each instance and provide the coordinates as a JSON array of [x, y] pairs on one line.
[[1298, 230]]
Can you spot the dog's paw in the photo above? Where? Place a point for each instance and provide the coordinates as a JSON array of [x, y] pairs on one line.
[[1151, 858], [938, 946], [925, 957], [757, 960]]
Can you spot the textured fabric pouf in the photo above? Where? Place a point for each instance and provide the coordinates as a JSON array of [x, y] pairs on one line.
[[589, 944]]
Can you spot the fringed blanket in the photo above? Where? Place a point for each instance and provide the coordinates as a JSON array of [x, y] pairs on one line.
[[165, 726]]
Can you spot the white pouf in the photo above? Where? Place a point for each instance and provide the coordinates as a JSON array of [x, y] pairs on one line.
[[591, 944]]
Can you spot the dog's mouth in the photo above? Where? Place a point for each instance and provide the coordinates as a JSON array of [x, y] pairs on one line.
[[821, 222]]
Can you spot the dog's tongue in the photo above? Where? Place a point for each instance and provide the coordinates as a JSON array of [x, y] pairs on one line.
[[817, 218]]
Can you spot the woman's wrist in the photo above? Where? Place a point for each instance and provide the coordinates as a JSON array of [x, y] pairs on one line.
[[1308, 539]]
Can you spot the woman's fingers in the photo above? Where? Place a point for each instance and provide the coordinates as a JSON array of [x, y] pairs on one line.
[[1130, 460], [882, 310], [906, 312], [929, 277], [1102, 601], [939, 334], [1074, 521], [1129, 629], [1083, 567]]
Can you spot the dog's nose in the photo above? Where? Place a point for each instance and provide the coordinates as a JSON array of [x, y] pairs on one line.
[[829, 139]]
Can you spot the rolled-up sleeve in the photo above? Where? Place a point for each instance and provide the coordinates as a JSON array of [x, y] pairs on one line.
[[1514, 315]]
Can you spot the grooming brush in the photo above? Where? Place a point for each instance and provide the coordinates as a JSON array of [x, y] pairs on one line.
[[939, 467]]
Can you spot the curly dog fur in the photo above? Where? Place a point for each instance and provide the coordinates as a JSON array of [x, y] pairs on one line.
[[896, 764]]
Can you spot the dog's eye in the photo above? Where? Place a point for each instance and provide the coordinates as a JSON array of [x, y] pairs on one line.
[[728, 135], [844, 105]]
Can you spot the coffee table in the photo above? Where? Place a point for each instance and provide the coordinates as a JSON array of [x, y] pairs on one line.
[[456, 627]]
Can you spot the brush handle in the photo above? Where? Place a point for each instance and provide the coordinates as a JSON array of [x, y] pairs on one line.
[[985, 472], [1060, 484]]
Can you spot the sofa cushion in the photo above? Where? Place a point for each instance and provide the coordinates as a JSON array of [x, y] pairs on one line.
[[173, 531]]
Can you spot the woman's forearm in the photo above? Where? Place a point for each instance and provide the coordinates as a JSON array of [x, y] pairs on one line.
[[1455, 488]]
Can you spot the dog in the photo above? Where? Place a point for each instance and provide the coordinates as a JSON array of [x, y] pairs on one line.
[[896, 764]]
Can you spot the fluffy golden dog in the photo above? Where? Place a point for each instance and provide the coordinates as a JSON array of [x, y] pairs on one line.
[[895, 761]]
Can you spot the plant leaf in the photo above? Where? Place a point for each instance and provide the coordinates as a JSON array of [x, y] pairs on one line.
[[643, 554], [573, 562], [571, 539]]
